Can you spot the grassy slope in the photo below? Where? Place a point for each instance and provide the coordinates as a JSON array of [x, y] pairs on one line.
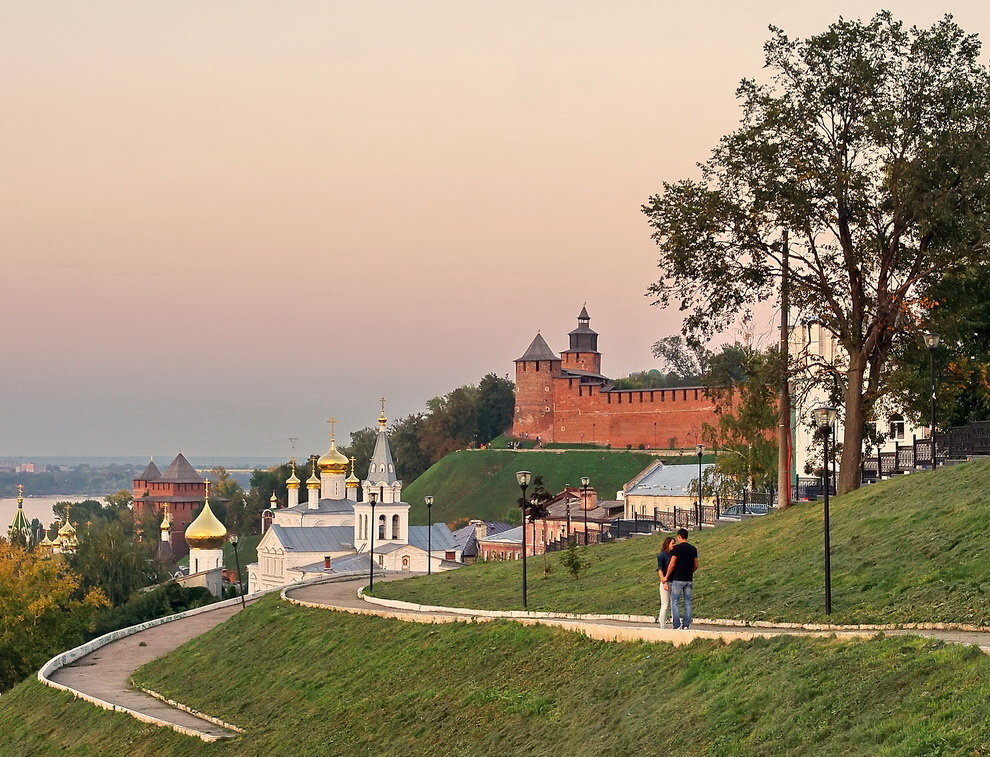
[[247, 552], [915, 548], [482, 483], [314, 682]]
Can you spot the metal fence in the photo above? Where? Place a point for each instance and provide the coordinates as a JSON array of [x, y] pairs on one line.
[[955, 443], [744, 503]]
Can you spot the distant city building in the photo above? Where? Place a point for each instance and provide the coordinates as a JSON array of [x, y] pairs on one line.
[[567, 399], [9, 466]]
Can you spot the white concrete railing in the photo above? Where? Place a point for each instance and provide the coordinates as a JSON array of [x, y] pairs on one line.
[[65, 658], [400, 605]]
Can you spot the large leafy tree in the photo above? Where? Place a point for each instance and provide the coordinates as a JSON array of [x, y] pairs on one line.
[[496, 402], [44, 609], [744, 384], [111, 560], [863, 158], [957, 308]]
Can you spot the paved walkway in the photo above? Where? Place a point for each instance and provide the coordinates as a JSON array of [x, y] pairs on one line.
[[342, 595], [105, 673]]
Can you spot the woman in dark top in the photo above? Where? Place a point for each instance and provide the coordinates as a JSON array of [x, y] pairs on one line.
[[663, 562]]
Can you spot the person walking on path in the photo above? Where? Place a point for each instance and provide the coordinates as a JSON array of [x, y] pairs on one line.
[[663, 562], [680, 575]]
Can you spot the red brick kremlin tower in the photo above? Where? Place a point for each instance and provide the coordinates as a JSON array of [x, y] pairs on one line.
[[567, 399], [180, 489]]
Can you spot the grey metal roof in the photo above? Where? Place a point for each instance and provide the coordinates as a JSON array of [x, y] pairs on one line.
[[465, 536], [151, 472], [442, 537], [667, 481], [512, 536], [381, 469], [181, 472], [583, 315], [348, 564], [538, 350], [315, 538]]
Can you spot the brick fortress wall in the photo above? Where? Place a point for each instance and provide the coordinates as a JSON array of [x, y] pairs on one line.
[[566, 400]]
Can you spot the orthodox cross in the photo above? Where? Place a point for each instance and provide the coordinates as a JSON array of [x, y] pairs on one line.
[[333, 428]]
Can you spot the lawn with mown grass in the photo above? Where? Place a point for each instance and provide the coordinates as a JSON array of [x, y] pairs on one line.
[[305, 681], [915, 548], [482, 483]]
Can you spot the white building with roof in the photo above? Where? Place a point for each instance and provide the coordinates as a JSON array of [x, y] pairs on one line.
[[661, 487], [335, 529]]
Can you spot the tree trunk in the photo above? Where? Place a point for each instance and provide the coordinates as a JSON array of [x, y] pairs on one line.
[[850, 475], [784, 400]]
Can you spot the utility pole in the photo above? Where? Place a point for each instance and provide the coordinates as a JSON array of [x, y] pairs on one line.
[[784, 401]]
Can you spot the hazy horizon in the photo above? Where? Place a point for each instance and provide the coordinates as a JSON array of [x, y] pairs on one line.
[[226, 223]]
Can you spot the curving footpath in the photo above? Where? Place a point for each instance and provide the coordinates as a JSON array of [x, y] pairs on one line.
[[100, 671], [346, 596]]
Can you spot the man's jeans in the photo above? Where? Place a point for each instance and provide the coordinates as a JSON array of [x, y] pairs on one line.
[[678, 589]]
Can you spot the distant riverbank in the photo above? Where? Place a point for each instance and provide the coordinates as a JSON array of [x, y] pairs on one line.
[[38, 507]]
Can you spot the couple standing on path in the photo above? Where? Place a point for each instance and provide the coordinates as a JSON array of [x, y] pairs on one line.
[[676, 565]]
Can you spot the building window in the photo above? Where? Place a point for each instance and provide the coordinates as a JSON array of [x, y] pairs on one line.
[[896, 427], [395, 526], [449, 556], [381, 527]]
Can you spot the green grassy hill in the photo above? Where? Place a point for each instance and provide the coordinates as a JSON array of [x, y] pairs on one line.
[[304, 681], [911, 549], [482, 483]]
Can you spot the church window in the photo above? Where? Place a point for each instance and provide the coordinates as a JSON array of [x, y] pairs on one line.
[[381, 527], [448, 555], [390, 468], [395, 526]]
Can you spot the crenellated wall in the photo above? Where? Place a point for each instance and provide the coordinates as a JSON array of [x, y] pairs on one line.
[[555, 405]]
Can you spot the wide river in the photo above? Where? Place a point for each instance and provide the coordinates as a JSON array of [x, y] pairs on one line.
[[37, 507]]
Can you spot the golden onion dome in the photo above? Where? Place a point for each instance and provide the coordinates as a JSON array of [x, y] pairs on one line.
[[166, 521], [67, 529], [352, 480], [293, 481], [333, 461], [206, 532]]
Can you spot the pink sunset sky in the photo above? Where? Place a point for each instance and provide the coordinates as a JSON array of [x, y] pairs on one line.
[[225, 222]]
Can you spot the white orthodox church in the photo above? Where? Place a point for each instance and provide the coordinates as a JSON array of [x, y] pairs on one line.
[[343, 521]]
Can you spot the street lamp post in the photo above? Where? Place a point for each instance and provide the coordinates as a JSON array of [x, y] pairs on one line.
[[429, 533], [701, 451], [931, 342], [237, 562], [584, 504], [824, 418], [372, 500], [523, 477], [567, 506]]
